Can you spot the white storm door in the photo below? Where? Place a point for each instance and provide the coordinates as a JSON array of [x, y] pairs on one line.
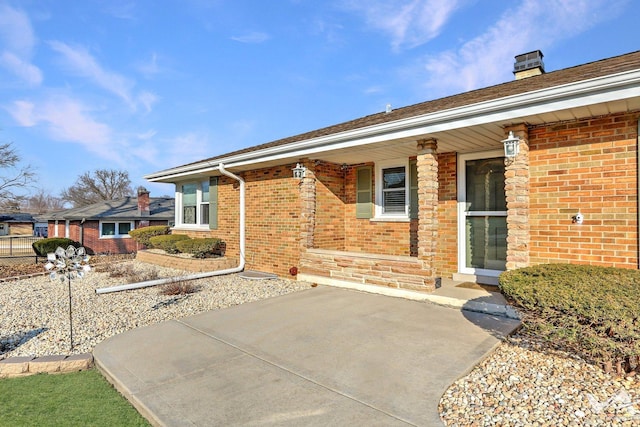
[[482, 214]]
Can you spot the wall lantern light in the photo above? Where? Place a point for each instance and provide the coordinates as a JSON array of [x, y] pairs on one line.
[[511, 145], [299, 171]]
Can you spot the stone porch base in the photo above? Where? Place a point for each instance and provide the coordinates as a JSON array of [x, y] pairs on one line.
[[396, 272], [186, 264]]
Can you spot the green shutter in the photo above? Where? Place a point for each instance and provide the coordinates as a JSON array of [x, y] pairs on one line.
[[413, 189], [213, 203], [363, 193]]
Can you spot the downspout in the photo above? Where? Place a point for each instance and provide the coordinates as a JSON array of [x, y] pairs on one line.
[[203, 275], [638, 188]]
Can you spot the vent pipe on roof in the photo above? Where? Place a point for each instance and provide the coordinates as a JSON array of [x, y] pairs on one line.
[[528, 65]]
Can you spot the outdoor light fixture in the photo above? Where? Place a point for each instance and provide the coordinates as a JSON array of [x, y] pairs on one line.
[[299, 171], [511, 145]]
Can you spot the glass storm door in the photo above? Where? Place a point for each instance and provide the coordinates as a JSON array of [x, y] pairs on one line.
[[482, 215]]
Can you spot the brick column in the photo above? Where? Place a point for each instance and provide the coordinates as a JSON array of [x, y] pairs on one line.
[[307, 207], [427, 163], [517, 193]]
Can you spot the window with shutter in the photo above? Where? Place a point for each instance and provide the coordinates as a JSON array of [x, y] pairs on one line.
[[363, 193], [213, 203], [413, 189]]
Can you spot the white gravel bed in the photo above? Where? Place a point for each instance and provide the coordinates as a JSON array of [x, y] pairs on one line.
[[35, 312], [524, 384]]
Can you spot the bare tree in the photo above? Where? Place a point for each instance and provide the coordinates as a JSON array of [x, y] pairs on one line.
[[96, 186], [12, 177], [43, 202]]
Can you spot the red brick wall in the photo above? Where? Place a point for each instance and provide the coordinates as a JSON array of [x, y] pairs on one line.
[[447, 248], [365, 235], [589, 166], [91, 237], [330, 207], [272, 219]]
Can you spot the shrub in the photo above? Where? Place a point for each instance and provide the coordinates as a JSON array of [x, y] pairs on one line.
[[201, 248], [142, 235], [44, 246], [588, 310], [129, 273], [178, 287], [167, 242]]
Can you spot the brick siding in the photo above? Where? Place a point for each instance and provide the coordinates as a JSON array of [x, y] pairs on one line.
[[588, 166], [446, 261]]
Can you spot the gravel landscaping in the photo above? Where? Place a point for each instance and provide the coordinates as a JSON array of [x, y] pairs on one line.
[[35, 311], [522, 383]]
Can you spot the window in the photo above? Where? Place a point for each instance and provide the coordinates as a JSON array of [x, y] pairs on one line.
[[204, 205], [113, 230], [392, 189], [198, 203], [189, 203]]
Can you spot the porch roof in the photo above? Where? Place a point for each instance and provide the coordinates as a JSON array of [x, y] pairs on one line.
[[467, 122]]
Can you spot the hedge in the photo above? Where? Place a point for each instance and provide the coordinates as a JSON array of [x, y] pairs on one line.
[[44, 246], [167, 242], [201, 247], [588, 310], [142, 235]]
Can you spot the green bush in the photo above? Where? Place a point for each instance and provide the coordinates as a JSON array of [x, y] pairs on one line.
[[142, 235], [44, 246], [167, 242], [588, 310], [201, 248]]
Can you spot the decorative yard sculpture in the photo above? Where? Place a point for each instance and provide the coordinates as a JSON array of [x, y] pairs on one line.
[[68, 264]]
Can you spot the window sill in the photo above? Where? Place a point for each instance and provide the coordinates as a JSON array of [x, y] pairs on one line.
[[390, 219], [191, 227], [120, 236]]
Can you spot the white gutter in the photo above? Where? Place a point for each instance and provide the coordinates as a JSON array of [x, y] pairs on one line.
[[577, 94], [195, 276]]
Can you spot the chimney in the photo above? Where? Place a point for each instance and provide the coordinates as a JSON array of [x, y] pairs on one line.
[[143, 201], [528, 65]]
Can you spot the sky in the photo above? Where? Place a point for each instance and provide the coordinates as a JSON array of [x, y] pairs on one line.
[[142, 86]]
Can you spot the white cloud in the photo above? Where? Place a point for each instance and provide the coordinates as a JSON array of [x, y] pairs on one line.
[[185, 148], [16, 31], [147, 99], [253, 37], [408, 23], [22, 112], [66, 119], [18, 41], [529, 25], [149, 68], [22, 68], [82, 63]]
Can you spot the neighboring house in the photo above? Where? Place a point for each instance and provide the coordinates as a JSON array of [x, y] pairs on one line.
[[407, 196], [16, 224], [103, 227]]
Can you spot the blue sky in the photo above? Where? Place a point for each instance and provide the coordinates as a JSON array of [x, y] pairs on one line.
[[148, 85]]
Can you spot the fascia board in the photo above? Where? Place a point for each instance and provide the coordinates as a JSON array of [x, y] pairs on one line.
[[602, 89]]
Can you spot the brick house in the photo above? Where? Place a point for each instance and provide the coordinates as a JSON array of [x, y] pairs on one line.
[[407, 196], [103, 227]]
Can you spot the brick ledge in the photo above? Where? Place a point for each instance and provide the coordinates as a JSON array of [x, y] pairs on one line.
[[27, 365]]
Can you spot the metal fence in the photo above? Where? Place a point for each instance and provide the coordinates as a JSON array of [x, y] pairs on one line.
[[18, 246]]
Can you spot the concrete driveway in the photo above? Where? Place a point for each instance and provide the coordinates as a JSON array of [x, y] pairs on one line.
[[324, 356]]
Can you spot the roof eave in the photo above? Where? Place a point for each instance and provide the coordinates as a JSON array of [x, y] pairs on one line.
[[600, 89]]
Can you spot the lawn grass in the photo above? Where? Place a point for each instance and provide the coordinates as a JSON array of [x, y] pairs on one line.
[[74, 399]]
